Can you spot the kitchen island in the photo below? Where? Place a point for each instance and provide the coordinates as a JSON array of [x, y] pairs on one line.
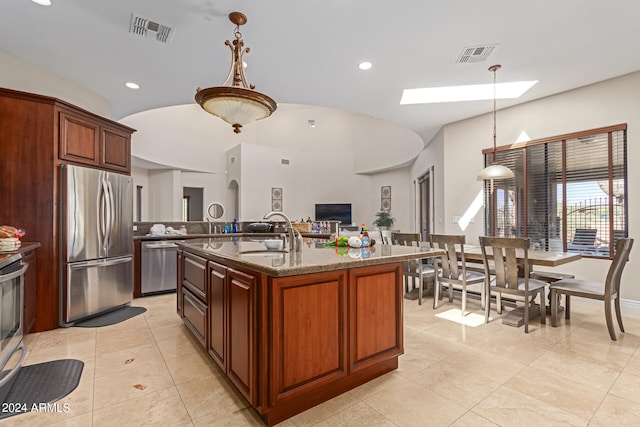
[[292, 330]]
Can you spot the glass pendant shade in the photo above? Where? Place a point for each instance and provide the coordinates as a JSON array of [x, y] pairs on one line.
[[495, 171], [235, 105]]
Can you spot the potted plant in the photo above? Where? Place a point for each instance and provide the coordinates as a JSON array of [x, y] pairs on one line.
[[384, 220]]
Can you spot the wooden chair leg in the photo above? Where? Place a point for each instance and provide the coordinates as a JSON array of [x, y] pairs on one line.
[[436, 290], [499, 303], [527, 303], [607, 315], [567, 306], [554, 308], [464, 300], [487, 304], [619, 313], [543, 308]]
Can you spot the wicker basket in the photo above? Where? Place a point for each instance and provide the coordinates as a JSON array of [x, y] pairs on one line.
[[302, 227]]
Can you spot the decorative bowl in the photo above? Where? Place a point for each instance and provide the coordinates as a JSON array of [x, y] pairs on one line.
[[273, 244]]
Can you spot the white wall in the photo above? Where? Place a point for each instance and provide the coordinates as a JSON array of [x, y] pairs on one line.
[[23, 76], [431, 156], [607, 103]]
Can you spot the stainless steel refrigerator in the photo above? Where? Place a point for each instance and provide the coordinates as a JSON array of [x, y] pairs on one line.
[[97, 242]]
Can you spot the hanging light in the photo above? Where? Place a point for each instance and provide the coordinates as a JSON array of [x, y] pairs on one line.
[[238, 103], [495, 171]]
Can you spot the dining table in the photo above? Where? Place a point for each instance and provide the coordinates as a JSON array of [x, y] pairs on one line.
[[473, 254]]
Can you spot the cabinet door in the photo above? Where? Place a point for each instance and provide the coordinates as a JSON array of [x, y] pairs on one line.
[[79, 139], [375, 315], [194, 296], [241, 341], [115, 146], [30, 286], [308, 334], [180, 277], [217, 301]]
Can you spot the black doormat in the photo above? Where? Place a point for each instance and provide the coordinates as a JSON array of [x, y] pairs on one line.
[[112, 317], [37, 387]]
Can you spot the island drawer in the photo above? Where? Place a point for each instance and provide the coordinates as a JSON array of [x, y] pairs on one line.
[[195, 315], [195, 272]]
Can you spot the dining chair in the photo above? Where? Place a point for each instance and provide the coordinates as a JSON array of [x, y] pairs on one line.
[[454, 273], [407, 239], [606, 291], [423, 276], [511, 276]]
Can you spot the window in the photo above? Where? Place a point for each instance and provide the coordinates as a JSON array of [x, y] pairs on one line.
[[569, 193]]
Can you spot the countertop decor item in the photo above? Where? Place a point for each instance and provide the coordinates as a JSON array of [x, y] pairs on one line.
[[495, 171], [238, 103]]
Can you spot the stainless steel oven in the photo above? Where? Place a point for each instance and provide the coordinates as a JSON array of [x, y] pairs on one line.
[[12, 269]]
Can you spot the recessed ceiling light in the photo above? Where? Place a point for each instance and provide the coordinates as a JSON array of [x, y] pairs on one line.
[[42, 2], [365, 65], [465, 93], [132, 85]]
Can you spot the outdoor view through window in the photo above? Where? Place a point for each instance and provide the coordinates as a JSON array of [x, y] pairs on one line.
[[568, 193]]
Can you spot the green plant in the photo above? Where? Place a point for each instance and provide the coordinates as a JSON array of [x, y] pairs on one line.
[[384, 219]]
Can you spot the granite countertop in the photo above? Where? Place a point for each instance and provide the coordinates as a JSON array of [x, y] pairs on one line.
[[250, 252], [223, 235]]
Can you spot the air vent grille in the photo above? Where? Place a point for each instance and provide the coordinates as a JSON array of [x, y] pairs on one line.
[[474, 54], [284, 161], [147, 28]]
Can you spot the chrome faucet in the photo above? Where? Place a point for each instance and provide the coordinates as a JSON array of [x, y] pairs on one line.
[[295, 242]]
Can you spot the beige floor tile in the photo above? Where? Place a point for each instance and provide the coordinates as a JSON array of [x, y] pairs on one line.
[[488, 365], [565, 365], [166, 332], [110, 340], [161, 408], [240, 417], [107, 364], [179, 346], [326, 410], [509, 407], [627, 386], [81, 350], [466, 389], [390, 381], [64, 336], [616, 411], [512, 345], [471, 419], [130, 384], [209, 393], [190, 367], [359, 414], [558, 391], [413, 405]]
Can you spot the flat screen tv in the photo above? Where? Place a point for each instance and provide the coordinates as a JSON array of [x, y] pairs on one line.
[[334, 212]]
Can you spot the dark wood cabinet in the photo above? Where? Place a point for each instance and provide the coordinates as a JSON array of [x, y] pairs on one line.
[[241, 333], [218, 301], [37, 134], [194, 296], [30, 291], [289, 343], [92, 143]]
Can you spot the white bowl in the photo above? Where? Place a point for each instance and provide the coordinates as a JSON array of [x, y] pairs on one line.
[[273, 244]]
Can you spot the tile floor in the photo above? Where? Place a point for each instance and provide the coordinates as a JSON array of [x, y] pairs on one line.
[[149, 371]]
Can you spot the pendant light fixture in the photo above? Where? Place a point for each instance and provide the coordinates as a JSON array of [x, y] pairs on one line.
[[237, 103], [494, 171]]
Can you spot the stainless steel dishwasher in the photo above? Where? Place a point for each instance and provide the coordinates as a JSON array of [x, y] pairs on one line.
[[159, 267]]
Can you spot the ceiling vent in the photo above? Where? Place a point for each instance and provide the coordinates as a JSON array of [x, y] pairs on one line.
[[146, 28], [475, 54]]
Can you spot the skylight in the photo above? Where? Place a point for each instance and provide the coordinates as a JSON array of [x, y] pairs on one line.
[[430, 95]]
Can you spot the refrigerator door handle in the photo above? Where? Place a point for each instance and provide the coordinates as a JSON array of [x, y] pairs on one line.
[[99, 263], [100, 213], [110, 208], [106, 214]]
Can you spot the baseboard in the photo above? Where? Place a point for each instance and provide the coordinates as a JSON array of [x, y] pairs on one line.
[[630, 304]]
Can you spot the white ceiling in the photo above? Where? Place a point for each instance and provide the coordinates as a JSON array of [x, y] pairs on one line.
[[307, 52]]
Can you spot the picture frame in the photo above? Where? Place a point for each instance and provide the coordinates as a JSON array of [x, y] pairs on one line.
[[385, 198]]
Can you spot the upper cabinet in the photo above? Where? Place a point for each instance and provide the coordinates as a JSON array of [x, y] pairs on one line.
[[94, 142]]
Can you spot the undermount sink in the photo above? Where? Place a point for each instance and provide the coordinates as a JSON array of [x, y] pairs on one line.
[[269, 253]]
